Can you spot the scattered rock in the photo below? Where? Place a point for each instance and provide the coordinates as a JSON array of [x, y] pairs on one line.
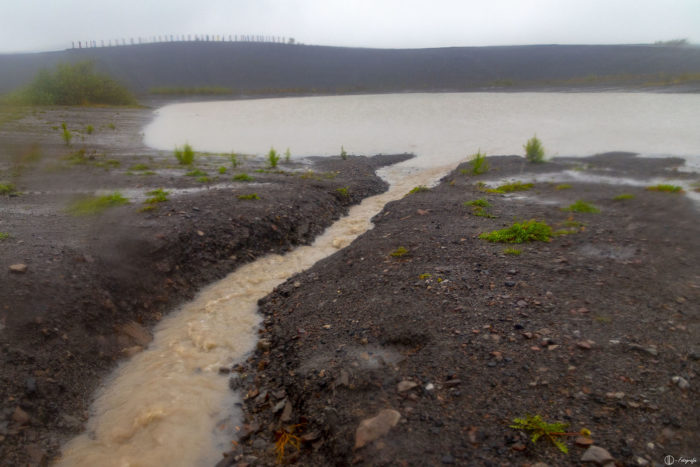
[[583, 441], [264, 345], [373, 428], [597, 455], [286, 413], [20, 416], [680, 382], [19, 268], [406, 385], [651, 350], [137, 332]]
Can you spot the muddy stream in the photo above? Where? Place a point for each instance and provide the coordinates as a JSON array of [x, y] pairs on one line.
[[168, 405]]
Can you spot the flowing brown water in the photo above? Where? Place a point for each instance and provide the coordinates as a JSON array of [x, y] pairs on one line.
[[169, 405]]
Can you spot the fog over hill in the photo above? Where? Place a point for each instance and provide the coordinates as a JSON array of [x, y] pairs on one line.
[[271, 68]]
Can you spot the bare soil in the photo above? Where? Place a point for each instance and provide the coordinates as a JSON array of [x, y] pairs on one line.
[[597, 328], [95, 284]]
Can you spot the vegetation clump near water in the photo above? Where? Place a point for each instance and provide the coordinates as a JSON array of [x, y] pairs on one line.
[[157, 196], [273, 158], [399, 252], [343, 153], [419, 189], [534, 151], [623, 197], [665, 188], [527, 231], [581, 206], [479, 165], [563, 186], [511, 187], [7, 189], [72, 84], [196, 173], [250, 196], [343, 191], [96, 204], [184, 155], [479, 207], [244, 177], [66, 134]]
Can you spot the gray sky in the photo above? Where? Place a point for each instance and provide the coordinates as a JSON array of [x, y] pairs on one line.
[[41, 25]]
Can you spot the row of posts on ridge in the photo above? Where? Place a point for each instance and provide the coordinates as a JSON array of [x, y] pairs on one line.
[[183, 38]]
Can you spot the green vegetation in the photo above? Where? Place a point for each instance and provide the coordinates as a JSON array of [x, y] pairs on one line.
[[66, 135], [419, 189], [96, 204], [539, 428], [563, 186], [272, 158], [399, 252], [234, 160], [244, 177], [7, 189], [185, 155], [204, 179], [666, 188], [581, 206], [512, 252], [89, 129], [482, 203], [623, 197], [196, 173], [287, 155], [222, 170], [189, 91], [73, 84], [343, 153], [534, 151], [479, 164], [573, 223], [511, 187], [111, 126], [343, 191], [425, 276], [157, 196], [138, 167], [250, 196], [527, 231], [4, 235]]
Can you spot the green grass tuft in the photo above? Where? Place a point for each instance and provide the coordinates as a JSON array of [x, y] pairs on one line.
[[623, 197], [138, 167], [534, 151], [482, 203], [244, 177], [512, 251], [399, 252], [96, 204], [7, 189], [563, 186], [251, 196], [185, 155], [196, 173], [479, 164], [222, 170], [343, 191], [581, 206], [4, 235], [419, 189], [538, 428], [666, 188], [157, 196], [89, 129], [511, 187], [272, 158], [527, 231]]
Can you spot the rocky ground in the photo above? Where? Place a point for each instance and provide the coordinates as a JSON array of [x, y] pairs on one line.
[[421, 343], [81, 291]]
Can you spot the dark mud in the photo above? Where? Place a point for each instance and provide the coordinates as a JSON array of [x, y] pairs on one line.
[[597, 328], [94, 285]]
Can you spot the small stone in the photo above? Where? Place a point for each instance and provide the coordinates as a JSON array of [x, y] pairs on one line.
[[137, 332], [448, 459], [264, 345], [18, 268], [279, 406], [30, 385], [597, 455], [509, 284], [373, 428], [259, 444], [586, 345], [522, 303], [20, 416], [641, 461], [681, 382], [200, 233], [405, 385], [429, 387], [286, 413], [326, 326], [540, 464], [583, 441]]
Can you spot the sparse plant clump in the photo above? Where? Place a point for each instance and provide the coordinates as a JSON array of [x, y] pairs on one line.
[[157, 196], [89, 129], [250, 196], [482, 203], [563, 186], [234, 160], [272, 158], [665, 188], [527, 231], [4, 235], [66, 134], [139, 167], [534, 151], [204, 179], [419, 189], [511, 187], [222, 170], [184, 155], [283, 438], [479, 164], [399, 252], [287, 155], [343, 153], [581, 206], [512, 252], [111, 126], [343, 191], [196, 173], [538, 428], [7, 189], [424, 276], [96, 204], [623, 197], [244, 177]]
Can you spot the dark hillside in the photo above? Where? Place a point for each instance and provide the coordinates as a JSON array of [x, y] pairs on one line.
[[270, 68]]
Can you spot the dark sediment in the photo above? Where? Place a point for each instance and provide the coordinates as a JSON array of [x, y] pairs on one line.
[[94, 285], [597, 328]]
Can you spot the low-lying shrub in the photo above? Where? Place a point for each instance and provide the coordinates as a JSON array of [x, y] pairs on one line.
[[527, 231]]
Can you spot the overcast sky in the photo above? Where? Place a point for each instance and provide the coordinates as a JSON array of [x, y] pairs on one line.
[[42, 25]]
